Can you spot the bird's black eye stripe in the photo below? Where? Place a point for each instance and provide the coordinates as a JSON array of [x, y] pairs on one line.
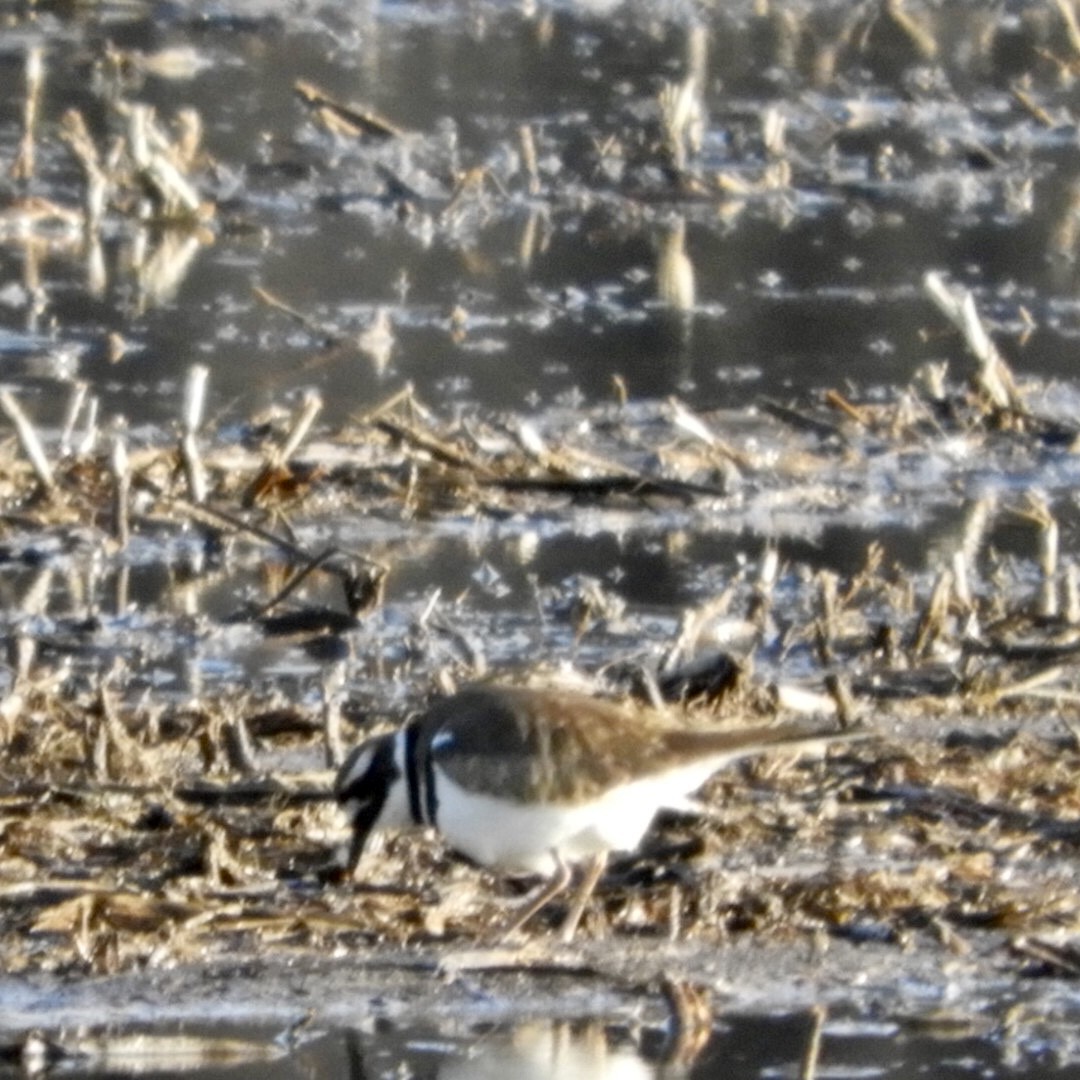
[[368, 788], [431, 799], [355, 782], [412, 771]]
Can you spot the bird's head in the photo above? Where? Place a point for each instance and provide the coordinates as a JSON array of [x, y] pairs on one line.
[[364, 787]]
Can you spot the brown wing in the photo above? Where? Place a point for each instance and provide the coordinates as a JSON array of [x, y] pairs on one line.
[[522, 744], [565, 747]]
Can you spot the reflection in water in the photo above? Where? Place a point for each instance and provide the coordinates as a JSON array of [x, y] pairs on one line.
[[549, 1050], [954, 1045], [565, 112], [145, 1054], [160, 264], [674, 270], [376, 342]]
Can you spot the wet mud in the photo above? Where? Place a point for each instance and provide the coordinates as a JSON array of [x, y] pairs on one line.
[[718, 356]]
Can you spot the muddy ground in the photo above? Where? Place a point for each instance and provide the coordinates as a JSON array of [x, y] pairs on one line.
[[159, 840], [730, 364]]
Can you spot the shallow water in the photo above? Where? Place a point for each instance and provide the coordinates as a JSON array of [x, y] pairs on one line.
[[907, 147], [945, 143], [739, 1046], [901, 163]]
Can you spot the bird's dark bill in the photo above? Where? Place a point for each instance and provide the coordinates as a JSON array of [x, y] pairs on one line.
[[364, 817]]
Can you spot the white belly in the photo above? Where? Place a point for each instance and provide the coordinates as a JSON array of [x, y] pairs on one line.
[[522, 836]]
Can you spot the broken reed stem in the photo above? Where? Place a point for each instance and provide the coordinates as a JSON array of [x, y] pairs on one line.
[[276, 459], [840, 691], [204, 514], [24, 164], [295, 581], [674, 914], [310, 408], [193, 470], [961, 580], [90, 429], [921, 37], [122, 588], [827, 596], [528, 157], [761, 598], [149, 150], [76, 400], [932, 622], [28, 439], [195, 397], [1071, 590], [21, 652], [334, 744], [194, 403], [122, 495], [344, 118], [117, 753], [957, 304], [74, 132], [239, 749], [268, 298], [98, 750], [1072, 26], [1022, 687], [1049, 538]]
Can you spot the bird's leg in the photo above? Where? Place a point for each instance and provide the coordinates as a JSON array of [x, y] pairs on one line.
[[594, 870], [353, 853], [341, 866], [557, 883]]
